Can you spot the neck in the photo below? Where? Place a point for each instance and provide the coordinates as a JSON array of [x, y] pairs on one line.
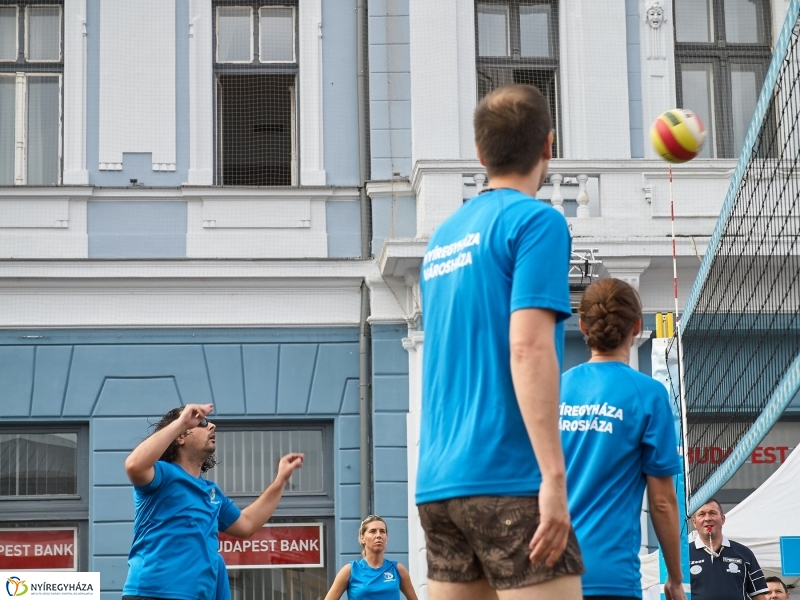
[[529, 183], [192, 466], [621, 353], [716, 540], [374, 559]]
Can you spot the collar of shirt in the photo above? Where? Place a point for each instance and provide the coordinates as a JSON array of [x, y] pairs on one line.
[[698, 543]]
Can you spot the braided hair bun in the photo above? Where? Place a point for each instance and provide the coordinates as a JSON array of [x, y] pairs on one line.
[[609, 309]]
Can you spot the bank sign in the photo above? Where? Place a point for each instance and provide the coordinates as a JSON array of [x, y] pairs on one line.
[[275, 547], [39, 549]]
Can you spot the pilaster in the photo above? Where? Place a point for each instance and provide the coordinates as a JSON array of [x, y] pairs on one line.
[[75, 172]]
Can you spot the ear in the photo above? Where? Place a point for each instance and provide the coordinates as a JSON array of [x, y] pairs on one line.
[[547, 151], [480, 158], [637, 328], [582, 326]]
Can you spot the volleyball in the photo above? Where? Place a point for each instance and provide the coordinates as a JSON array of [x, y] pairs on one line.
[[678, 135]]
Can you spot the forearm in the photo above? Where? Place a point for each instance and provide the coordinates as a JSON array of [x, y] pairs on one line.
[[664, 515], [259, 512], [146, 454], [536, 383]]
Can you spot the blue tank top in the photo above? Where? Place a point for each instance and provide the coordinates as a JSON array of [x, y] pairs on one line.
[[367, 583]]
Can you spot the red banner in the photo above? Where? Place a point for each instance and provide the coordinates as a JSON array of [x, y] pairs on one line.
[[275, 546], [41, 549]]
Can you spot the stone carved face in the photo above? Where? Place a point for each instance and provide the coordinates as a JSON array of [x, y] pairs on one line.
[[655, 15]]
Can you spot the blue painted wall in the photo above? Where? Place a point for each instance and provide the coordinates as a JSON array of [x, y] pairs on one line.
[[389, 88], [389, 410], [343, 224], [632, 19], [149, 229], [138, 165], [118, 380], [392, 217], [340, 102]]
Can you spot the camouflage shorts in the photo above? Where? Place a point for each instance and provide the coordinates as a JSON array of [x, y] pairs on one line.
[[487, 537]]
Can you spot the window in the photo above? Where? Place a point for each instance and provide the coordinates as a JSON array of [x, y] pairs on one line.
[[722, 53], [248, 455], [256, 71], [44, 481], [517, 42], [31, 67]]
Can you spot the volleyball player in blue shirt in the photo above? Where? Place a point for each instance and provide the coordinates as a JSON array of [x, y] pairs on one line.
[[618, 435], [178, 513], [373, 577]]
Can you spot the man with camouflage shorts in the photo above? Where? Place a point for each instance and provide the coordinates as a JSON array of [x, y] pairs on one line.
[[491, 485]]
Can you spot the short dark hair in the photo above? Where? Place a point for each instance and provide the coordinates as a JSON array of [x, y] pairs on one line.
[[712, 501], [511, 128], [774, 579], [171, 453]]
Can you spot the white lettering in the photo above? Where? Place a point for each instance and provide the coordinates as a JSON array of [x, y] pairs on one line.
[[284, 545]]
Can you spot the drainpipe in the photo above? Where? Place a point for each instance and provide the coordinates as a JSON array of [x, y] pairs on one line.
[[365, 404], [362, 89]]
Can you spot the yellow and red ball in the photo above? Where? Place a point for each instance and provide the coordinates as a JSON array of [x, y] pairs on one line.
[[678, 135]]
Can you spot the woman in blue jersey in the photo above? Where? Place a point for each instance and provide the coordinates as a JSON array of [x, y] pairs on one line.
[[373, 577], [618, 435]]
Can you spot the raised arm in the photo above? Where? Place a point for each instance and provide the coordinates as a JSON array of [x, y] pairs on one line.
[[254, 516], [141, 462], [535, 372], [664, 514]]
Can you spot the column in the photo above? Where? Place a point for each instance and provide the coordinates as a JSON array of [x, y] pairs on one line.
[[312, 148], [75, 172], [201, 98], [417, 565]]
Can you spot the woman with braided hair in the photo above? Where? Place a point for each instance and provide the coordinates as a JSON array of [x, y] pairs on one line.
[[618, 436]]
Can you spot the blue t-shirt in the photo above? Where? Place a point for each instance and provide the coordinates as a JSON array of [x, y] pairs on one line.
[[223, 584], [367, 583], [177, 517], [500, 252], [616, 427]]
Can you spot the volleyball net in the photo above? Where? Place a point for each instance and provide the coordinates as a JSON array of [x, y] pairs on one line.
[[740, 331]]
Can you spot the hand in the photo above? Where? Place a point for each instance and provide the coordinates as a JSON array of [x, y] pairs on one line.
[[192, 414], [551, 535], [288, 464], [673, 590]]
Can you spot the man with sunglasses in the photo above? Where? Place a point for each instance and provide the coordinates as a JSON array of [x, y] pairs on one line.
[[178, 514]]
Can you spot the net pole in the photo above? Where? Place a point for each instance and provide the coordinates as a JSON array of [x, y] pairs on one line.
[[681, 387]]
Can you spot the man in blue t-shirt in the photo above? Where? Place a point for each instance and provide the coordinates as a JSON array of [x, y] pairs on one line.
[[491, 481], [178, 513]]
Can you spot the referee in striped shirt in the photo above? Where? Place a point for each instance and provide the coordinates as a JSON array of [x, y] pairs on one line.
[[722, 569]]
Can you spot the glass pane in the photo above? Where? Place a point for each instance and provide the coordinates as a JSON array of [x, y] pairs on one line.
[[744, 95], [8, 33], [44, 33], [234, 35], [742, 23], [277, 34], [492, 30], [697, 83], [283, 584], [43, 130], [693, 21], [38, 464], [247, 460], [534, 30], [8, 95]]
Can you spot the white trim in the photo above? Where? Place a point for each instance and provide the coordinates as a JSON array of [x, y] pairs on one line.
[[27, 32], [21, 131], [16, 35], [201, 95], [252, 31], [261, 36], [310, 92], [74, 94]]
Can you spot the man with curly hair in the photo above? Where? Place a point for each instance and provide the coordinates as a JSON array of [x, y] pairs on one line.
[[178, 514]]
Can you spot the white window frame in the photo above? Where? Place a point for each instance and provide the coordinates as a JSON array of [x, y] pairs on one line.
[[252, 31], [261, 36], [21, 124], [16, 35], [28, 36]]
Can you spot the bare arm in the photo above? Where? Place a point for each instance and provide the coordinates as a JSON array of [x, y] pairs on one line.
[[405, 583], [535, 371], [254, 516], [664, 514], [339, 584], [140, 464]]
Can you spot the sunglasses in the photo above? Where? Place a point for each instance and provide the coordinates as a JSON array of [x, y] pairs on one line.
[[203, 423]]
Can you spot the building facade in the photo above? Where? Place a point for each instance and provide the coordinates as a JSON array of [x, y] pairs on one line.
[[228, 202]]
